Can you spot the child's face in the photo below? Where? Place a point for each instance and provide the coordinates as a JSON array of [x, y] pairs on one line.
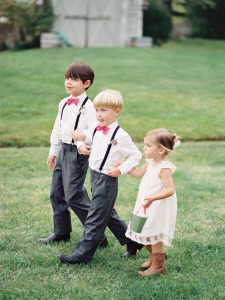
[[75, 86], [107, 116], [151, 149]]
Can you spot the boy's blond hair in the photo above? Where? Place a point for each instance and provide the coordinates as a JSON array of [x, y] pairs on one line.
[[108, 98]]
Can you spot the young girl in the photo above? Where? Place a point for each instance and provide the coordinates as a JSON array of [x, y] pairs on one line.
[[157, 196]]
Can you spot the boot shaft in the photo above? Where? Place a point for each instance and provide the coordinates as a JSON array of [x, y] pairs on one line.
[[158, 260]]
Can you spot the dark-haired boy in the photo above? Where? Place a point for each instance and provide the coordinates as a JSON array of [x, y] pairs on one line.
[[70, 168]]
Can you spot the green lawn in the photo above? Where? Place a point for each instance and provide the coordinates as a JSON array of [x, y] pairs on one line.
[[195, 264], [179, 86]]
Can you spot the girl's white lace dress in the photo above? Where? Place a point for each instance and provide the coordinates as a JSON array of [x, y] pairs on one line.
[[161, 214]]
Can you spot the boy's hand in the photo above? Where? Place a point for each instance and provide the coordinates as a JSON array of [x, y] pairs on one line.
[[114, 172], [85, 149], [118, 163], [51, 161], [78, 135], [148, 202]]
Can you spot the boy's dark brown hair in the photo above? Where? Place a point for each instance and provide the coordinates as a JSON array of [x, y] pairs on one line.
[[81, 70]]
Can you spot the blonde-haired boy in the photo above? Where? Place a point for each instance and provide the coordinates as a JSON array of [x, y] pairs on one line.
[[110, 143]]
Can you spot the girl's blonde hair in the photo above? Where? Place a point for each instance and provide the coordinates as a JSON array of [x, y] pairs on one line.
[[108, 98], [164, 138]]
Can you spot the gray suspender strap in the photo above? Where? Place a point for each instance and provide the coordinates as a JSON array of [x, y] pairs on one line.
[[109, 147]]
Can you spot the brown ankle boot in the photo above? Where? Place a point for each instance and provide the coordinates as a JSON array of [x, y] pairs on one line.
[[157, 265], [148, 263]]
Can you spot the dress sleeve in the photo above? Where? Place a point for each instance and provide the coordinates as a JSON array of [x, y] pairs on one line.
[[167, 165]]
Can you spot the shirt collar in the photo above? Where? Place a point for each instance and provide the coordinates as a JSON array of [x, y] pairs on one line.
[[113, 125], [80, 97]]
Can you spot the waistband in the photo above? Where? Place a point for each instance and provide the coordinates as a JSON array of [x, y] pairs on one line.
[[103, 175], [69, 146]]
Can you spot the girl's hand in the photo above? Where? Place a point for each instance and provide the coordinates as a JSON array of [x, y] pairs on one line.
[[148, 202], [114, 172], [118, 163]]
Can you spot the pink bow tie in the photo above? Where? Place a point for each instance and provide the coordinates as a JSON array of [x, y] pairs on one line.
[[72, 100], [104, 129]]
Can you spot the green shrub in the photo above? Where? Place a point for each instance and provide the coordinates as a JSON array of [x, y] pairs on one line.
[[157, 23], [25, 23], [207, 18]]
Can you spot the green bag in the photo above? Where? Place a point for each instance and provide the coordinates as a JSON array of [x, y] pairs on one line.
[[136, 222]]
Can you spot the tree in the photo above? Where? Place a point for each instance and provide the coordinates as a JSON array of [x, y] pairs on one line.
[[157, 23], [25, 23], [207, 18]]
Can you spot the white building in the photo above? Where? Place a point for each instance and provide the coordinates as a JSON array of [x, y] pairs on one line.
[[98, 23]]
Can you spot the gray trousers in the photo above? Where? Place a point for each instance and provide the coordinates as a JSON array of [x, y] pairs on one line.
[[67, 189], [101, 214]]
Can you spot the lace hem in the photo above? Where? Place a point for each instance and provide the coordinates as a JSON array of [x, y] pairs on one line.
[[149, 240]]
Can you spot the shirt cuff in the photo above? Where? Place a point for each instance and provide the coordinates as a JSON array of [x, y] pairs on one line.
[[79, 144], [124, 169], [54, 151]]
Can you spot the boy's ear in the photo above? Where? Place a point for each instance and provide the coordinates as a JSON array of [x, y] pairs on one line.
[[118, 111], [87, 84]]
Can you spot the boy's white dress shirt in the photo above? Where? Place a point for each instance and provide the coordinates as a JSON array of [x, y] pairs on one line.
[[62, 131], [123, 148]]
